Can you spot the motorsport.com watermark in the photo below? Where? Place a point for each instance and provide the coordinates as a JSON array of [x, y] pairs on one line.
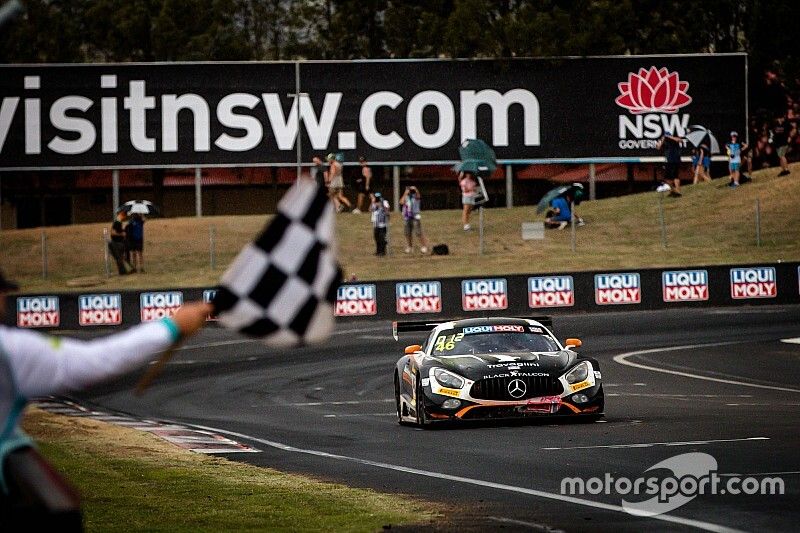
[[689, 475]]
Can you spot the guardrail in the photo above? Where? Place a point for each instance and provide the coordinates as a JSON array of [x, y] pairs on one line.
[[598, 291]]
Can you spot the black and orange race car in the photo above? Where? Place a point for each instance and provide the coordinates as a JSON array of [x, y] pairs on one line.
[[489, 368]]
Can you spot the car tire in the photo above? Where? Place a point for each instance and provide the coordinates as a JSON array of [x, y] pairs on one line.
[[422, 418], [397, 403]]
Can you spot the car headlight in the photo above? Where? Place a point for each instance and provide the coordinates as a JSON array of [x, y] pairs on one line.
[[448, 379], [577, 374]]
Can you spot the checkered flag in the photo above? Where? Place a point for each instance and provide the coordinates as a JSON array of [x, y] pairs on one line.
[[282, 287]]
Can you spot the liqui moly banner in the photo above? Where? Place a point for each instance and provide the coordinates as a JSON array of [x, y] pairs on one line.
[[418, 297], [99, 310], [614, 289], [685, 285], [551, 291], [38, 312], [755, 282], [484, 294], [191, 114], [157, 305], [208, 297], [356, 300]]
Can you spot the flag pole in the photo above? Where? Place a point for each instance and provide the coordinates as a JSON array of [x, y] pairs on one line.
[[155, 370]]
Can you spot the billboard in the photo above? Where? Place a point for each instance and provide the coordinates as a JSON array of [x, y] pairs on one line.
[[246, 114]]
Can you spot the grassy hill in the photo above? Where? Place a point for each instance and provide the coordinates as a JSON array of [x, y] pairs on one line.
[[710, 224]]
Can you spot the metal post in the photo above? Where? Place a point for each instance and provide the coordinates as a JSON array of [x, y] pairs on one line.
[[396, 187], [105, 252], [297, 102], [114, 191], [572, 225], [758, 222], [212, 259], [1, 202], [592, 183], [480, 228], [509, 187], [198, 192], [661, 220], [44, 255]]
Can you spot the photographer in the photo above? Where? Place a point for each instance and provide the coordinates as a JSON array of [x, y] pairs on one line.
[[671, 144], [413, 219]]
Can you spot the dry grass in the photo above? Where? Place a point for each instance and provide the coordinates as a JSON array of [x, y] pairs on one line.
[[131, 480], [710, 224]]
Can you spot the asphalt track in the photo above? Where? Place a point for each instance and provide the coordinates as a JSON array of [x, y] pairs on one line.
[[717, 381]]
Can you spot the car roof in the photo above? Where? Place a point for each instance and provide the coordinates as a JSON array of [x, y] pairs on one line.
[[486, 321]]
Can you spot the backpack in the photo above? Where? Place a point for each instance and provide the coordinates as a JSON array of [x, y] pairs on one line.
[[440, 249]]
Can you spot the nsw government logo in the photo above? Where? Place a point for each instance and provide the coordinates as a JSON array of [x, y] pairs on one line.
[[419, 297], [157, 305], [356, 300], [38, 312], [653, 96], [613, 289], [685, 285], [100, 310], [551, 291], [756, 282], [484, 294]]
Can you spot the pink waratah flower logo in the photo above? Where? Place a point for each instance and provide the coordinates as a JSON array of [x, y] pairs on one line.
[[653, 91]]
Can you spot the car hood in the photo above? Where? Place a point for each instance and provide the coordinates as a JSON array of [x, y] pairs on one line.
[[479, 366]]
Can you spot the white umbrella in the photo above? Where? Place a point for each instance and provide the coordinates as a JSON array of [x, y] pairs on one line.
[[143, 207], [701, 135]]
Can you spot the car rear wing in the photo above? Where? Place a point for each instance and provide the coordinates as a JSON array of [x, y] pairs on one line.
[[427, 325]]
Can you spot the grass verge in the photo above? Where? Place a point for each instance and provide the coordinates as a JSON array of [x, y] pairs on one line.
[[710, 225], [130, 480]]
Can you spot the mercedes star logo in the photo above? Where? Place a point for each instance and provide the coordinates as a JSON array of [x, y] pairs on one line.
[[517, 388]]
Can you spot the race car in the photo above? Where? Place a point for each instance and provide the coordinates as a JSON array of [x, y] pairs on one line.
[[491, 368]]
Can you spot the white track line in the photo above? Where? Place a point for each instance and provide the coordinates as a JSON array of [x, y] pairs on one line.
[[530, 525], [795, 340], [652, 444], [706, 526], [623, 360]]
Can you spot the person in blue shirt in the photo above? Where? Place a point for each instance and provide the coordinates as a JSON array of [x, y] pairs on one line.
[[560, 213], [735, 150]]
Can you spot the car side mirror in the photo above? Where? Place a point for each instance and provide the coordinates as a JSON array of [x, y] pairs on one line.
[[414, 348], [573, 343]]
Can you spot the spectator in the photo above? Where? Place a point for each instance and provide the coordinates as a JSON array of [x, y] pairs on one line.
[[559, 214], [135, 235], [379, 210], [671, 144], [336, 184], [318, 171], [469, 185], [782, 135], [760, 154], [117, 243], [33, 364], [701, 163], [735, 158], [413, 219], [363, 182]]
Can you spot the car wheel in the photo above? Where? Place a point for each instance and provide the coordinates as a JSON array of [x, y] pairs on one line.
[[422, 418], [398, 404]]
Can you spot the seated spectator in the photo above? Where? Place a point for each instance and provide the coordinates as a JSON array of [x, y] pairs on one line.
[[559, 214]]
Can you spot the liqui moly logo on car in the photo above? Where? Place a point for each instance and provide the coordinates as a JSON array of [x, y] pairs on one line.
[[419, 297], [613, 289], [100, 310], [652, 96], [208, 297], [38, 312], [551, 291], [756, 282], [685, 285], [356, 300], [157, 305], [484, 294]]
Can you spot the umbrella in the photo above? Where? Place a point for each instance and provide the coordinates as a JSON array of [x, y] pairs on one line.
[[143, 207], [476, 154], [700, 135], [574, 189]]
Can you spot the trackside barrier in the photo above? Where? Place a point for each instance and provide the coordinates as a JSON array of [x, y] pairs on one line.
[[516, 295]]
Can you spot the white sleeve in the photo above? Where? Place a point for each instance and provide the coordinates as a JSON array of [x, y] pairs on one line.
[[43, 364]]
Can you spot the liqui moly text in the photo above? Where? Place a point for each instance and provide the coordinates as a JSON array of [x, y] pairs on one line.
[[157, 305], [551, 291], [38, 312], [685, 285], [614, 289], [100, 310], [756, 282], [419, 297], [356, 300], [484, 294]]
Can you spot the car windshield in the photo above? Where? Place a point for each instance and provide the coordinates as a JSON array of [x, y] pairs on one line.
[[458, 343]]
